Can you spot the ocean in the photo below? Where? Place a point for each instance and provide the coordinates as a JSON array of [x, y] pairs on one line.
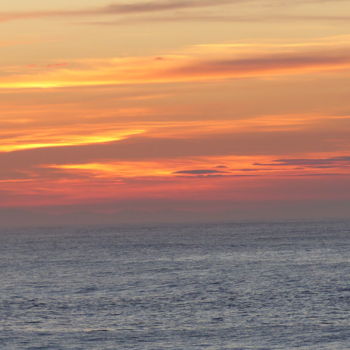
[[207, 286]]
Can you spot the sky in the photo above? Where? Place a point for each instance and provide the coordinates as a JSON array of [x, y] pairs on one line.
[[174, 111]]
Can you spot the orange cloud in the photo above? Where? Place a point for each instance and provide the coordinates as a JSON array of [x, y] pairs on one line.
[[224, 166], [52, 138], [230, 177], [207, 178], [202, 63], [30, 132]]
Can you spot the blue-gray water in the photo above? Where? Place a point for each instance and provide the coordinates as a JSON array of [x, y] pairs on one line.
[[230, 286]]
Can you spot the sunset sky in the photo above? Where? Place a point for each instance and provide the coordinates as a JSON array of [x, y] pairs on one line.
[[174, 110]]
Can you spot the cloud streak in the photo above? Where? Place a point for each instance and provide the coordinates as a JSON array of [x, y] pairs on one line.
[[147, 7], [118, 9], [199, 172], [61, 138], [201, 63], [183, 17], [319, 163]]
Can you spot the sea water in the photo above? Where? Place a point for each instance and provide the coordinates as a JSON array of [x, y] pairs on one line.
[[213, 286]]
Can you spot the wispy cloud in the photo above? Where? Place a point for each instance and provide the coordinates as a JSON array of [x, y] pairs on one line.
[[199, 172], [200, 63], [204, 166], [217, 18], [48, 138], [149, 7], [164, 168], [319, 163], [118, 9], [26, 135]]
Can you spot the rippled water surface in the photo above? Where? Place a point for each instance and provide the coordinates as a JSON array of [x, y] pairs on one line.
[[231, 286]]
